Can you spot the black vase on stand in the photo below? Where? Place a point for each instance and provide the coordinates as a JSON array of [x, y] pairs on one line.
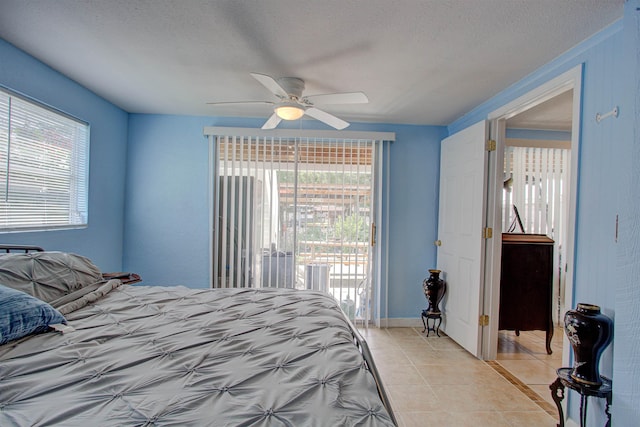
[[589, 333], [433, 287]]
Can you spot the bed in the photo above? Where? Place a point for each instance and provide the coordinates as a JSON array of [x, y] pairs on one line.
[[175, 356]]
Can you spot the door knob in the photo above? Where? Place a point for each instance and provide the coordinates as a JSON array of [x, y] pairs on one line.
[[438, 243]]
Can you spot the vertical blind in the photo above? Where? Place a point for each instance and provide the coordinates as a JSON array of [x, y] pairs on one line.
[[43, 167], [538, 189], [295, 212]]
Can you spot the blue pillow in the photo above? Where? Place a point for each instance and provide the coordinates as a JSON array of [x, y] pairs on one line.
[[22, 315]]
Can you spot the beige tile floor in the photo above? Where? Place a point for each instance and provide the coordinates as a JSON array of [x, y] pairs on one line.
[[433, 381]]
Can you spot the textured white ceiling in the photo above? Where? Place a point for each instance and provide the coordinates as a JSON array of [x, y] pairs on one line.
[[419, 61], [553, 114]]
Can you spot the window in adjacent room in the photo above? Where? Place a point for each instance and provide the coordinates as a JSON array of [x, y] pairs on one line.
[[44, 166]]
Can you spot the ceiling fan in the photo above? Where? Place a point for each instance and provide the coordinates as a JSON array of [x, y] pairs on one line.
[[292, 105]]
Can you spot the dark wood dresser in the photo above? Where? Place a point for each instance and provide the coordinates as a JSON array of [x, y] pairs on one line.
[[526, 284]]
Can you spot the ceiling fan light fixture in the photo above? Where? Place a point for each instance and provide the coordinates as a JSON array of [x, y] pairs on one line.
[[289, 111]]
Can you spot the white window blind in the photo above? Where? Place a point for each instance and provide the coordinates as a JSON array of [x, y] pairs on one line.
[[44, 159], [538, 188], [284, 205]]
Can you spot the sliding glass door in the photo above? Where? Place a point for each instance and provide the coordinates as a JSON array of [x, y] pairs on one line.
[[296, 213]]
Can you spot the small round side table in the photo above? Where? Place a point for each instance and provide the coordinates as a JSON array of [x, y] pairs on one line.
[[437, 320], [564, 379]]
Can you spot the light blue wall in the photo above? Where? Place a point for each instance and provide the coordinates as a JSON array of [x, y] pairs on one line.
[[166, 238], [625, 276], [102, 239], [603, 190], [166, 228], [413, 227]]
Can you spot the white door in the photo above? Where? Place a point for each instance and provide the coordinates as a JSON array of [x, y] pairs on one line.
[[462, 215]]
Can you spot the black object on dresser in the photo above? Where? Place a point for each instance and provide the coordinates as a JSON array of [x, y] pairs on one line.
[[526, 284]]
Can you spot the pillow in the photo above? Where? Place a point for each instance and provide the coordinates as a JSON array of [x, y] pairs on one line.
[[47, 275], [22, 315]]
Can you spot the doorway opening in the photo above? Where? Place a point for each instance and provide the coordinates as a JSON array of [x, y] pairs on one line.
[[535, 177]]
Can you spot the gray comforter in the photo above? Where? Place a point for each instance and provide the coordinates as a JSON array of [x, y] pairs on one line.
[[174, 356]]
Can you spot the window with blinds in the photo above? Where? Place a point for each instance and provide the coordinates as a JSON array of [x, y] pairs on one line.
[[538, 188], [298, 202], [44, 160]]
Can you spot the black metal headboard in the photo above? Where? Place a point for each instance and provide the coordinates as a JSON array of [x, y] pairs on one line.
[[19, 248]]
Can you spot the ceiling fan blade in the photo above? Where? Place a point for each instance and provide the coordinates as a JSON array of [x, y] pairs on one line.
[[338, 98], [273, 121], [327, 118], [270, 83], [242, 102]]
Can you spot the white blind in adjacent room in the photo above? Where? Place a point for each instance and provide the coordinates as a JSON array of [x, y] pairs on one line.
[[538, 189], [44, 159]]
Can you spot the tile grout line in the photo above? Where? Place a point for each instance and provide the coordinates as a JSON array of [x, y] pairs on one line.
[[411, 361], [528, 391]]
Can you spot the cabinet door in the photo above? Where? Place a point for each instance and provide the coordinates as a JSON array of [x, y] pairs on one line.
[[525, 286]]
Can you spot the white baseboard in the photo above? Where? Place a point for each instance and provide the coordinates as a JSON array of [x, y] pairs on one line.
[[399, 322]]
